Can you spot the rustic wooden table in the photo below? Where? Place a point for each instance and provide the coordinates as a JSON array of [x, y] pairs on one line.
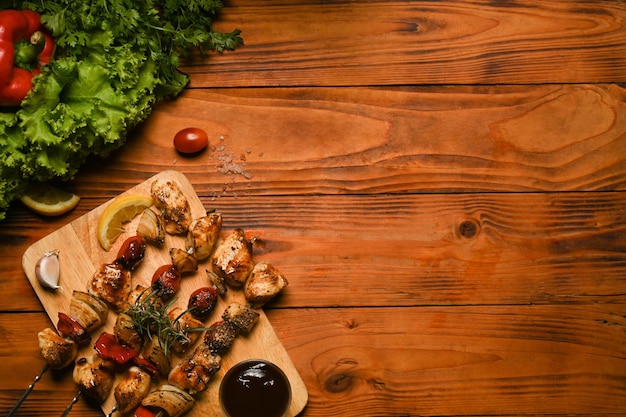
[[442, 182]]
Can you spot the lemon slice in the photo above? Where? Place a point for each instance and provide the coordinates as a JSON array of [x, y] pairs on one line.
[[121, 210], [48, 200]]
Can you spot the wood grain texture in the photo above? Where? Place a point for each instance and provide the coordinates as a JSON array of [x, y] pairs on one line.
[[353, 43], [475, 360], [313, 141]]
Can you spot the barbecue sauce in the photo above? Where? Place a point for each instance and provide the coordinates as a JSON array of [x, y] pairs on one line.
[[255, 388]]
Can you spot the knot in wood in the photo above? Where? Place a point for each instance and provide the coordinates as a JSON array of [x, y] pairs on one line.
[[337, 383], [468, 229]]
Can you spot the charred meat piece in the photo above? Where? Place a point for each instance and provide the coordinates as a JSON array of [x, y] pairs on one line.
[[58, 352], [203, 235], [94, 377], [112, 284], [263, 284], [185, 323], [220, 336], [131, 389], [232, 259], [174, 206], [195, 371], [242, 317]]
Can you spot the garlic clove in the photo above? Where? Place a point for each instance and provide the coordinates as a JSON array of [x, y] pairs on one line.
[[48, 270]]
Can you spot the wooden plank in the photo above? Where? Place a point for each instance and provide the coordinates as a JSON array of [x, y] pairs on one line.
[[383, 140], [425, 249], [474, 360], [80, 256], [295, 43]]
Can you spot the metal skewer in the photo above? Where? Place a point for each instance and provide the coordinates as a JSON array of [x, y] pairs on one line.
[[74, 401], [28, 391]]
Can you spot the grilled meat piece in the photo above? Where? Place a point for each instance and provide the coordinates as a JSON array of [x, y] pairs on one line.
[[203, 235], [94, 377], [174, 206], [132, 389], [263, 284], [220, 336], [232, 259], [242, 317], [112, 284], [57, 351], [195, 370], [186, 323]]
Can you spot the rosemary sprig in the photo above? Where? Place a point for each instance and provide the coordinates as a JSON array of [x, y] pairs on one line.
[[151, 320]]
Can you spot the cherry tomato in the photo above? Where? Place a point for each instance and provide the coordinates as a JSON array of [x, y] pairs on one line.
[[131, 252], [201, 302], [166, 281], [190, 140]]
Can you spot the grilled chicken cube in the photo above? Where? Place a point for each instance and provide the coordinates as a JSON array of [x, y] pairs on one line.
[[203, 235], [174, 206], [220, 336], [112, 284], [242, 317], [186, 323], [141, 294], [57, 351], [173, 400], [131, 389], [195, 370], [88, 310], [263, 284], [94, 377], [232, 259]]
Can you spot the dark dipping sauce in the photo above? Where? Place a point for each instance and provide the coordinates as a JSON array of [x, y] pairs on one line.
[[255, 388]]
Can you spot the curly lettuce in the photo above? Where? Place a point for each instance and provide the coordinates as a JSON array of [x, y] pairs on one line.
[[115, 59]]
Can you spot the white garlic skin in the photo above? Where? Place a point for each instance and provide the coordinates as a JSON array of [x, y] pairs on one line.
[[48, 270]]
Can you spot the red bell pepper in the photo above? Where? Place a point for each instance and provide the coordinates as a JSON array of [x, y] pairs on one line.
[[69, 327], [17, 26], [142, 411], [108, 347]]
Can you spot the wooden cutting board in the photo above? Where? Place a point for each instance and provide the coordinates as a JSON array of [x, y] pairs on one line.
[[80, 256]]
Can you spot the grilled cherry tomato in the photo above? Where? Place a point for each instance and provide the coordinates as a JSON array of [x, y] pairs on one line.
[[166, 281], [131, 252], [202, 301], [190, 140]]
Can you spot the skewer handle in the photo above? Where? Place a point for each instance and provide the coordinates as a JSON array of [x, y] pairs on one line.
[[69, 407], [28, 391]]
